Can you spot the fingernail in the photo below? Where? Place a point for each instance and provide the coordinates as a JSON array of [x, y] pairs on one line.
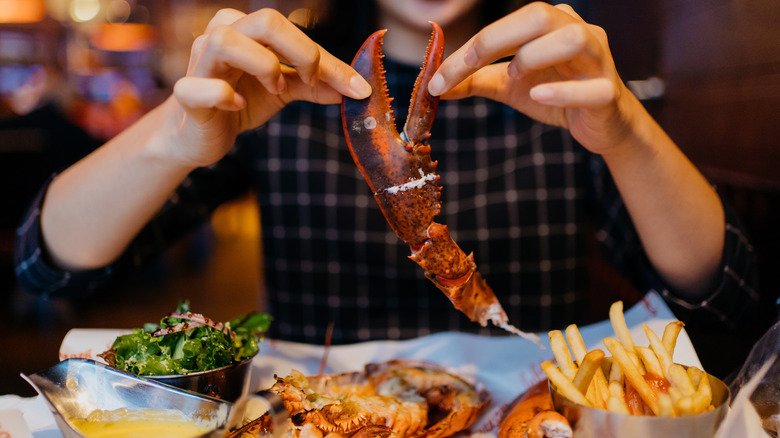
[[512, 70], [436, 85], [359, 86], [542, 93], [470, 59], [281, 85]]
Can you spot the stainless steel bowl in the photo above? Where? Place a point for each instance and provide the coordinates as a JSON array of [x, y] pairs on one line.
[[75, 387], [226, 383], [590, 422]]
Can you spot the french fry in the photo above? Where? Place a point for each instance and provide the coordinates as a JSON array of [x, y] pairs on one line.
[[684, 405], [652, 365], [616, 390], [619, 325], [632, 374], [617, 404], [576, 343], [636, 406], [658, 348], [704, 390], [616, 401], [562, 354], [606, 366], [695, 374], [679, 378], [590, 364], [598, 392], [669, 338], [634, 380], [700, 403], [665, 405], [563, 384], [675, 394], [637, 362], [615, 373]]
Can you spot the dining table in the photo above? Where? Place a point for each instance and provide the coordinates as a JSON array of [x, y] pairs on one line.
[[503, 365]]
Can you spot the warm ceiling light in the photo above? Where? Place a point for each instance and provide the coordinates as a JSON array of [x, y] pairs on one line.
[[22, 11], [118, 11], [84, 10], [123, 37]]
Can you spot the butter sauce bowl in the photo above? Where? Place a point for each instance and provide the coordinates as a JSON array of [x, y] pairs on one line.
[[74, 388]]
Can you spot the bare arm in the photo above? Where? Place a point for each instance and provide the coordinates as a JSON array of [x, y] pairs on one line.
[[678, 215], [562, 73], [94, 208], [235, 81]]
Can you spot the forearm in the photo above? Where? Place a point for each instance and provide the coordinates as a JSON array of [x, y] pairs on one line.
[[95, 208], [678, 215]]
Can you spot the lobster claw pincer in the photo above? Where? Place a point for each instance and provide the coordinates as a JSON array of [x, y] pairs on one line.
[[400, 173], [398, 169]]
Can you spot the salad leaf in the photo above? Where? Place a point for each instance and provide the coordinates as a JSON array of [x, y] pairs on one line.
[[185, 342]]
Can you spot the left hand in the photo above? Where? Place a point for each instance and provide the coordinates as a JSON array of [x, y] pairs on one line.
[[561, 73]]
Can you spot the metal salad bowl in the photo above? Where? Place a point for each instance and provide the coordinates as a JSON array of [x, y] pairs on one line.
[[226, 383], [590, 422], [74, 388]]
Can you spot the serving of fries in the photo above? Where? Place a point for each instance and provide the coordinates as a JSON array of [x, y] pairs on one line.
[[634, 380]]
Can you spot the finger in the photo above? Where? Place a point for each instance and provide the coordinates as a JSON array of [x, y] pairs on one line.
[[319, 93], [225, 48], [589, 93], [342, 77], [224, 17], [497, 40], [485, 82], [572, 47], [271, 28], [569, 10], [199, 96], [310, 60]]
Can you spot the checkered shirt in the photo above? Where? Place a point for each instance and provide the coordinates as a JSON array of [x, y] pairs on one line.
[[520, 195]]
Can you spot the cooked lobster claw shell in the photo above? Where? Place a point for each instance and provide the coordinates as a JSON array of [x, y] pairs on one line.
[[399, 170]]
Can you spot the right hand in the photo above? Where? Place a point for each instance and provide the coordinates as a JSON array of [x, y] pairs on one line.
[[236, 81], [560, 72]]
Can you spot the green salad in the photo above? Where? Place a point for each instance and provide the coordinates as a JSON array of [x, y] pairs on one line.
[[185, 342]]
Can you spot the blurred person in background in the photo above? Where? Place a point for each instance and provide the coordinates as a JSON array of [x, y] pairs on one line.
[[548, 164], [37, 134]]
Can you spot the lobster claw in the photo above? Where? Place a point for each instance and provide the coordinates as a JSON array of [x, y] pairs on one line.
[[397, 169], [400, 173]]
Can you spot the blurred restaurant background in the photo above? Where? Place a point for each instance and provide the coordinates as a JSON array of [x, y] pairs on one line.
[[73, 73]]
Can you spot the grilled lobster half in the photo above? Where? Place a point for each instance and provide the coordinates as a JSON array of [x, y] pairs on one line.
[[400, 173]]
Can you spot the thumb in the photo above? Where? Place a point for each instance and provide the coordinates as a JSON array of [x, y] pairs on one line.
[[201, 96], [486, 82]]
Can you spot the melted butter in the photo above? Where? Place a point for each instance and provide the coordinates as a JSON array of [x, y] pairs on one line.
[[140, 423]]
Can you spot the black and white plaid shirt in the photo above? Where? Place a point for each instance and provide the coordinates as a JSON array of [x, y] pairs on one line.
[[523, 196]]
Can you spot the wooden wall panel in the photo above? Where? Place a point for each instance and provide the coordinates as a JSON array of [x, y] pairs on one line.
[[721, 64]]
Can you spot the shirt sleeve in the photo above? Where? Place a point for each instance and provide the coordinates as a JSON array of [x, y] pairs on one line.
[[733, 296], [187, 208], [36, 274]]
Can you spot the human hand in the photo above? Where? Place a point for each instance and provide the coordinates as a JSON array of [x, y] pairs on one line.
[[561, 72], [242, 71]]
